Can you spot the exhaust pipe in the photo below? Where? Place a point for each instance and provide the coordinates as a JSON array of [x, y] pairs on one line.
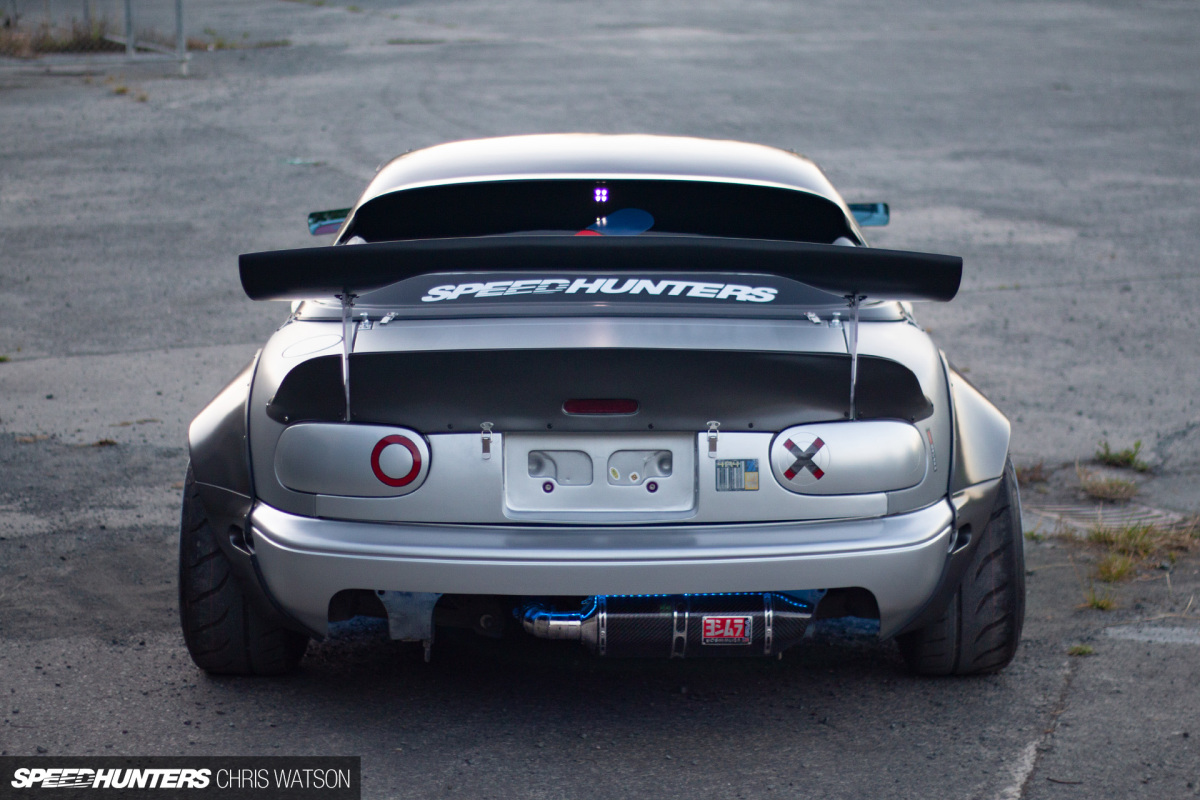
[[676, 626]]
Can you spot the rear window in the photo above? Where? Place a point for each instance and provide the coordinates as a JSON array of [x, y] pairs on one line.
[[600, 208]]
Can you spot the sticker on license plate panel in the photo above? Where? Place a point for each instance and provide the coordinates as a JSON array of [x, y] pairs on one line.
[[737, 475], [726, 629]]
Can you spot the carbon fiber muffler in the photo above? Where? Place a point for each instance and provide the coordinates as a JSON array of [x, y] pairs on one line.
[[677, 626]]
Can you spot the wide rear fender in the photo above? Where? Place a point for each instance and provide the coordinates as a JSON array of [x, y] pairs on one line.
[[217, 436], [219, 448], [981, 434]]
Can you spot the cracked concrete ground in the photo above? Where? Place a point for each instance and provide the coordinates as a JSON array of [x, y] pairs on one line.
[[1050, 144]]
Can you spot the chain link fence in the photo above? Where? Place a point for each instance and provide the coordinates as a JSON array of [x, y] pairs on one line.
[[67, 32]]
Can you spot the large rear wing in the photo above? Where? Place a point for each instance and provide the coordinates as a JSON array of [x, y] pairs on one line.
[[349, 270]]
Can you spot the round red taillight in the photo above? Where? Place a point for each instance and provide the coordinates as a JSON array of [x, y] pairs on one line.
[[406, 443]]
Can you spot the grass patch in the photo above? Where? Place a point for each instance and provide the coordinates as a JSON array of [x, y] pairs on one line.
[[1144, 540], [1127, 458], [1099, 602], [1035, 473], [98, 37], [1114, 568], [79, 37], [1035, 535], [1137, 541], [3, 359], [1098, 487], [1129, 547], [1112, 490], [219, 42], [1081, 650]]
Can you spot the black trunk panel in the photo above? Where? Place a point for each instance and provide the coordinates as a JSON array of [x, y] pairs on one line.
[[524, 390]]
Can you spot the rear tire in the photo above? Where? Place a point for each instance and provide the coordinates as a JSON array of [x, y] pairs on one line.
[[224, 632], [979, 631]]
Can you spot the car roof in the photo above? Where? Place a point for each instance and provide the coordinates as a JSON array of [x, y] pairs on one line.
[[600, 156]]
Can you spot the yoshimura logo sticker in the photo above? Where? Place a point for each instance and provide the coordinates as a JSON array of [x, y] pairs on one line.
[[726, 629], [598, 285]]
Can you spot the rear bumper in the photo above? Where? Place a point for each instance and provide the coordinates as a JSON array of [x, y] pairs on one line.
[[305, 561]]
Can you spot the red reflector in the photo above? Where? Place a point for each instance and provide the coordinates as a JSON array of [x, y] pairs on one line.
[[392, 480], [600, 407]]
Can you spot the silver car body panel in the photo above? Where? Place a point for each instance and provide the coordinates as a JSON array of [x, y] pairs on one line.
[[306, 561], [833, 458], [464, 487], [981, 435], [317, 457]]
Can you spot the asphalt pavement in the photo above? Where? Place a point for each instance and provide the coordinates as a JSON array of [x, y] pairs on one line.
[[1052, 145]]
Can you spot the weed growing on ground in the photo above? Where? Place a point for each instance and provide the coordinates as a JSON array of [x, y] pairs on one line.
[[1145, 539], [1035, 473], [1081, 650], [80, 37], [1035, 535], [1113, 490], [1136, 540], [1100, 602], [1127, 458], [1115, 567], [1097, 487], [1129, 548]]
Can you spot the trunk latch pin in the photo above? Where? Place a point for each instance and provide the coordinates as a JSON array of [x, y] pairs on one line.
[[713, 425]]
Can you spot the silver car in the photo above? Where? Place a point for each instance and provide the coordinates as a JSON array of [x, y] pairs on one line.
[[653, 395]]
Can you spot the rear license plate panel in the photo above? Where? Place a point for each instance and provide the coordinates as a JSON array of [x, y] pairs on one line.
[[532, 484]]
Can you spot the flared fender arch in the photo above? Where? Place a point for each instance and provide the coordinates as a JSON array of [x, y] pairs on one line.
[[981, 434], [217, 437]]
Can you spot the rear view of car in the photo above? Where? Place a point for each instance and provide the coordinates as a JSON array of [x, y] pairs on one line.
[[653, 395]]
